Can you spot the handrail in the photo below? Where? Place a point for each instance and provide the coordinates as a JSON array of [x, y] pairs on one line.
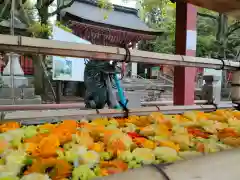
[[166, 77], [48, 80], [22, 44], [167, 103], [140, 77]]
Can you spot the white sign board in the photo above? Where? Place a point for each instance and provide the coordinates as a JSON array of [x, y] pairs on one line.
[[67, 68], [191, 40]]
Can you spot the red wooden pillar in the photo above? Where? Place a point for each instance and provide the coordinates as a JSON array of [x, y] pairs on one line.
[[184, 77]]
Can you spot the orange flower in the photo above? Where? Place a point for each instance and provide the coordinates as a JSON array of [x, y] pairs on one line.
[[48, 127], [113, 171], [115, 164], [104, 172], [169, 144], [95, 131], [48, 146], [57, 169], [227, 132], [9, 126], [62, 169], [63, 135], [65, 130], [116, 146], [35, 139], [3, 145], [143, 142], [69, 125], [40, 165], [31, 147], [98, 147], [200, 147], [121, 121], [236, 114]]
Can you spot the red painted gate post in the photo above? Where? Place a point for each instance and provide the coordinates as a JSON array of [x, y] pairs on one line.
[[184, 77]]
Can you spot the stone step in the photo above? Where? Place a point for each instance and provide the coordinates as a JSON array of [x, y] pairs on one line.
[[23, 93], [36, 100]]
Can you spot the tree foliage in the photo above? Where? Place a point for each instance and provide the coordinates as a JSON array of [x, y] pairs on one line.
[[35, 15], [218, 35], [160, 16]]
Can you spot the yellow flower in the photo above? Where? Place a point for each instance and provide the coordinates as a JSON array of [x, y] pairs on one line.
[[169, 144], [98, 147]]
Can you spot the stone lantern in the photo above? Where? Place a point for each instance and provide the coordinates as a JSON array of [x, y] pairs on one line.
[[18, 74]]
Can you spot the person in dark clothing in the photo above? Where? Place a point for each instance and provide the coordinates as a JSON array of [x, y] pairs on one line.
[[96, 95]]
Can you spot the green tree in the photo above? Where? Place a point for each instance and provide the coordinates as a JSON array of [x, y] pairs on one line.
[[35, 15], [218, 35], [160, 16]]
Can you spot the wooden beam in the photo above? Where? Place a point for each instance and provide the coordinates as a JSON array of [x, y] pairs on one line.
[[229, 7], [21, 44]]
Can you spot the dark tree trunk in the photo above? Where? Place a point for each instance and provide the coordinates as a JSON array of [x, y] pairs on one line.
[[39, 78], [38, 75]]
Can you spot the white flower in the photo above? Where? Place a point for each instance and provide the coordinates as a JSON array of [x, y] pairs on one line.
[[36, 176], [90, 157]]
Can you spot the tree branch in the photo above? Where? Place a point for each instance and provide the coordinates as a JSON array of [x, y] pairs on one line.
[[233, 28], [61, 8], [237, 56], [207, 15], [42, 3], [26, 17], [48, 3], [6, 3]]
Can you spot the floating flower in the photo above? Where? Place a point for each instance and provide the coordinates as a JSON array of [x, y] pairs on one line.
[[90, 157], [84, 150], [83, 138], [9, 126], [36, 176], [143, 155]]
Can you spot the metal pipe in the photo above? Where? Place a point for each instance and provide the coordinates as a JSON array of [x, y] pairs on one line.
[[48, 115], [167, 103], [23, 44], [11, 55], [40, 107], [31, 107], [12, 78], [12, 17]]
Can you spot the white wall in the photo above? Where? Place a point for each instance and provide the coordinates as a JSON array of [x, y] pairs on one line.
[[78, 65], [217, 87]]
